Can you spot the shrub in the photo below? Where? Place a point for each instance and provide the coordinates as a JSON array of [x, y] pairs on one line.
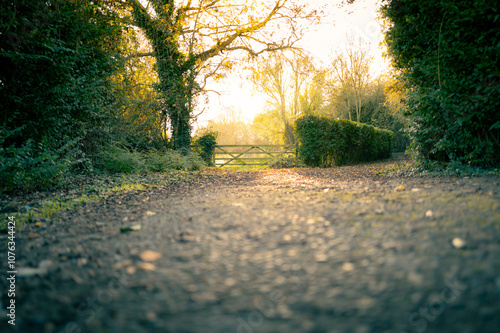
[[325, 142], [31, 166], [115, 159], [204, 145], [173, 160]]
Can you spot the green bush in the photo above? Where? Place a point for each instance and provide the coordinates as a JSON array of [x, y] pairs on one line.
[[325, 142], [204, 145], [115, 159]]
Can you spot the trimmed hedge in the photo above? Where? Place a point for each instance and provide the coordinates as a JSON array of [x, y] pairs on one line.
[[325, 141]]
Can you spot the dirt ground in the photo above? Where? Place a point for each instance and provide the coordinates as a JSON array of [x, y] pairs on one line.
[[297, 250]]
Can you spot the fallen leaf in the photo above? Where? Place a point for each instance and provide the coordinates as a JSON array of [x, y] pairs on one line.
[[321, 257], [81, 262], [38, 224], [458, 242], [43, 268], [347, 267], [399, 188], [29, 271], [121, 264], [149, 255], [146, 199], [147, 266], [230, 282], [135, 227]]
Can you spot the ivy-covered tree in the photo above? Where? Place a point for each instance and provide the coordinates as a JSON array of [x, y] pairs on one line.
[[192, 41], [447, 54]]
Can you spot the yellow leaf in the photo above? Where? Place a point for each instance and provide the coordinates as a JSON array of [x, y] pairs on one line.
[[149, 255], [146, 266]]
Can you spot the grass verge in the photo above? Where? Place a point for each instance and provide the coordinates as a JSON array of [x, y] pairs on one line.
[[434, 170], [32, 207]]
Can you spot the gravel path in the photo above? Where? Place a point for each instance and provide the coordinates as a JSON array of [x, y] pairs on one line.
[[305, 250]]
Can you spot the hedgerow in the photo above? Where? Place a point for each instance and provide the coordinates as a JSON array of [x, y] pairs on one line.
[[325, 142], [446, 54]]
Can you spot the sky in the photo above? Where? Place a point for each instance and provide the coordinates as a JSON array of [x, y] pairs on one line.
[[358, 20]]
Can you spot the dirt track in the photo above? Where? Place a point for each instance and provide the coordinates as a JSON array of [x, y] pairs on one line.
[[305, 250]]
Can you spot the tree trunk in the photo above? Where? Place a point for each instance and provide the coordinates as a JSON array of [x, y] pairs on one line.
[[181, 129], [176, 92], [358, 108], [175, 74], [349, 108], [289, 137]]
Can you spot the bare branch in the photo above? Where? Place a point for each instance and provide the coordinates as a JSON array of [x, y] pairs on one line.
[[224, 45]]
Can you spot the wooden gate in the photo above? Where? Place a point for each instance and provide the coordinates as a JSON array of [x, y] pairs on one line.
[[250, 154]]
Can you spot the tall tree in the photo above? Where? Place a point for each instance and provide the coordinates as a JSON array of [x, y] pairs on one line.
[[350, 73], [312, 99], [283, 78], [192, 40]]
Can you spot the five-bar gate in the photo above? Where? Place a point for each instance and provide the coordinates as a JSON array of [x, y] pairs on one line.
[[250, 154]]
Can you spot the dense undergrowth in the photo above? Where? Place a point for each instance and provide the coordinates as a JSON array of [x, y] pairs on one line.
[[31, 168]]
